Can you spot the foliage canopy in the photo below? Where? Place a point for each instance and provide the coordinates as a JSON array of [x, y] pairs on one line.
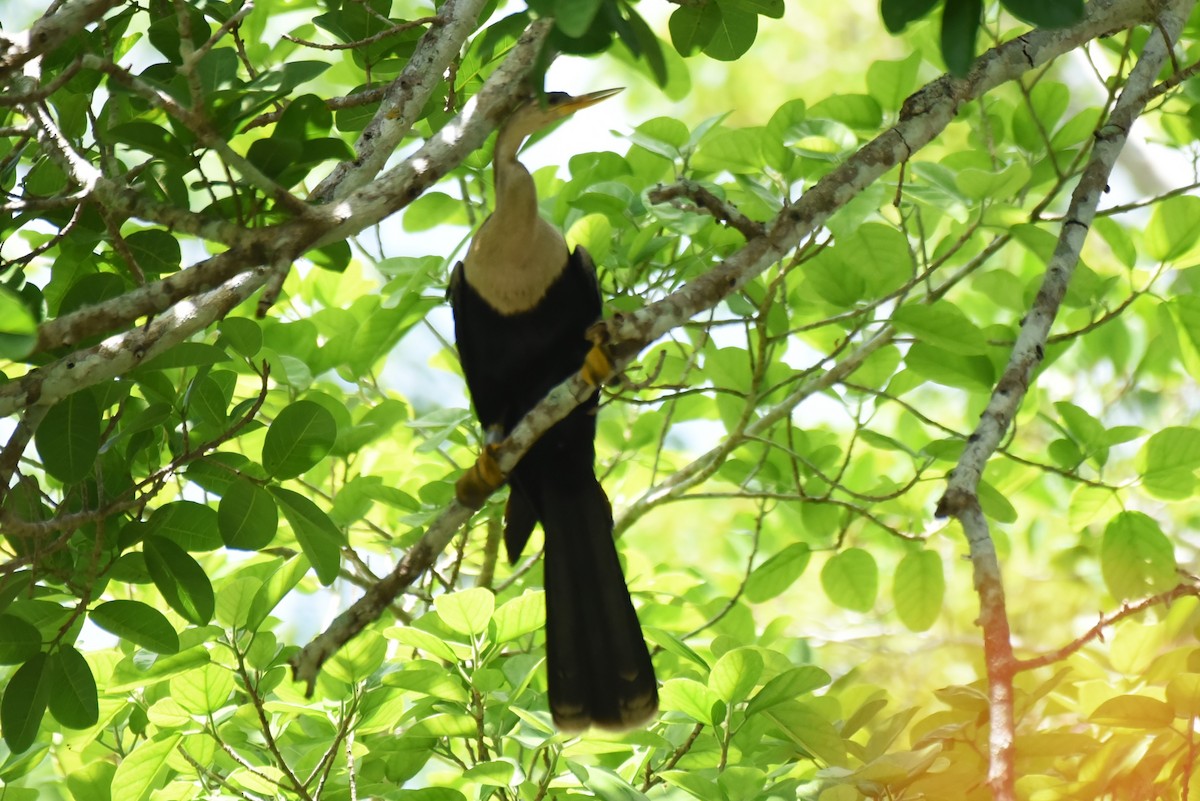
[[863, 336]]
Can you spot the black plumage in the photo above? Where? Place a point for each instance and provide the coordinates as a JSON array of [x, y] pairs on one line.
[[522, 305]]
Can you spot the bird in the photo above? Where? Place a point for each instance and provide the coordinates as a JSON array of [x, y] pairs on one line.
[[523, 303]]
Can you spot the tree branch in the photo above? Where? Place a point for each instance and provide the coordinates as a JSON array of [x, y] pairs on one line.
[[961, 500]]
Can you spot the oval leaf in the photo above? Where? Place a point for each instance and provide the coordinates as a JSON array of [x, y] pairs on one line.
[[19, 640], [1136, 558], [778, 573], [180, 579], [247, 516], [735, 674], [138, 772], [68, 438], [24, 703], [299, 437], [918, 589], [1133, 712], [319, 538], [467, 612], [139, 623], [851, 579], [74, 700]]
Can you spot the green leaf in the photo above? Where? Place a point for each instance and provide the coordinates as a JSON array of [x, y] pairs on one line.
[[203, 691], [24, 703], [851, 579], [282, 580], [19, 640], [93, 781], [978, 184], [139, 623], [1170, 458], [74, 700], [139, 771], [1183, 694], [68, 438], [430, 210], [318, 537], [357, 660], [734, 33], [243, 335], [735, 674], [180, 579], [778, 573], [918, 589], [424, 641], [186, 354], [576, 17], [880, 254], [496, 773], [861, 112], [960, 25], [898, 13], [18, 328], [737, 151], [808, 728], [522, 615], [235, 601], [467, 611], [155, 251], [1136, 558], [299, 437], [788, 686], [1133, 712], [942, 325], [247, 516], [190, 525], [1055, 14], [891, 82], [692, 27], [950, 369], [1174, 227], [691, 698], [995, 505]]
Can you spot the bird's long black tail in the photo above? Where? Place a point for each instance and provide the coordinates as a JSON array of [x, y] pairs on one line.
[[599, 668]]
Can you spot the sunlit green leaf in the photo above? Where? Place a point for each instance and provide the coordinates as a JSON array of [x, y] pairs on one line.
[[180, 579], [320, 540], [299, 437], [778, 573], [139, 770], [1136, 557], [918, 588], [1133, 712], [851, 579], [467, 611]]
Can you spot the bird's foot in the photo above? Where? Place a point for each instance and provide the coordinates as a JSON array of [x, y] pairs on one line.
[[481, 479], [597, 365]]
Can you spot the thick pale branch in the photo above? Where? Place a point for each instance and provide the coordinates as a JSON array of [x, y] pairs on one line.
[[49, 32], [328, 223], [961, 499], [924, 116], [404, 99]]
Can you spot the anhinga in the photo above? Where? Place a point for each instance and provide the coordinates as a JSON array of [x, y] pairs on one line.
[[522, 304]]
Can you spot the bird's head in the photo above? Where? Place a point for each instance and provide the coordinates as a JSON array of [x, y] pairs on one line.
[[537, 113]]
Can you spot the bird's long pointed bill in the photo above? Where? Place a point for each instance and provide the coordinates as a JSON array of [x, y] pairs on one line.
[[590, 99]]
